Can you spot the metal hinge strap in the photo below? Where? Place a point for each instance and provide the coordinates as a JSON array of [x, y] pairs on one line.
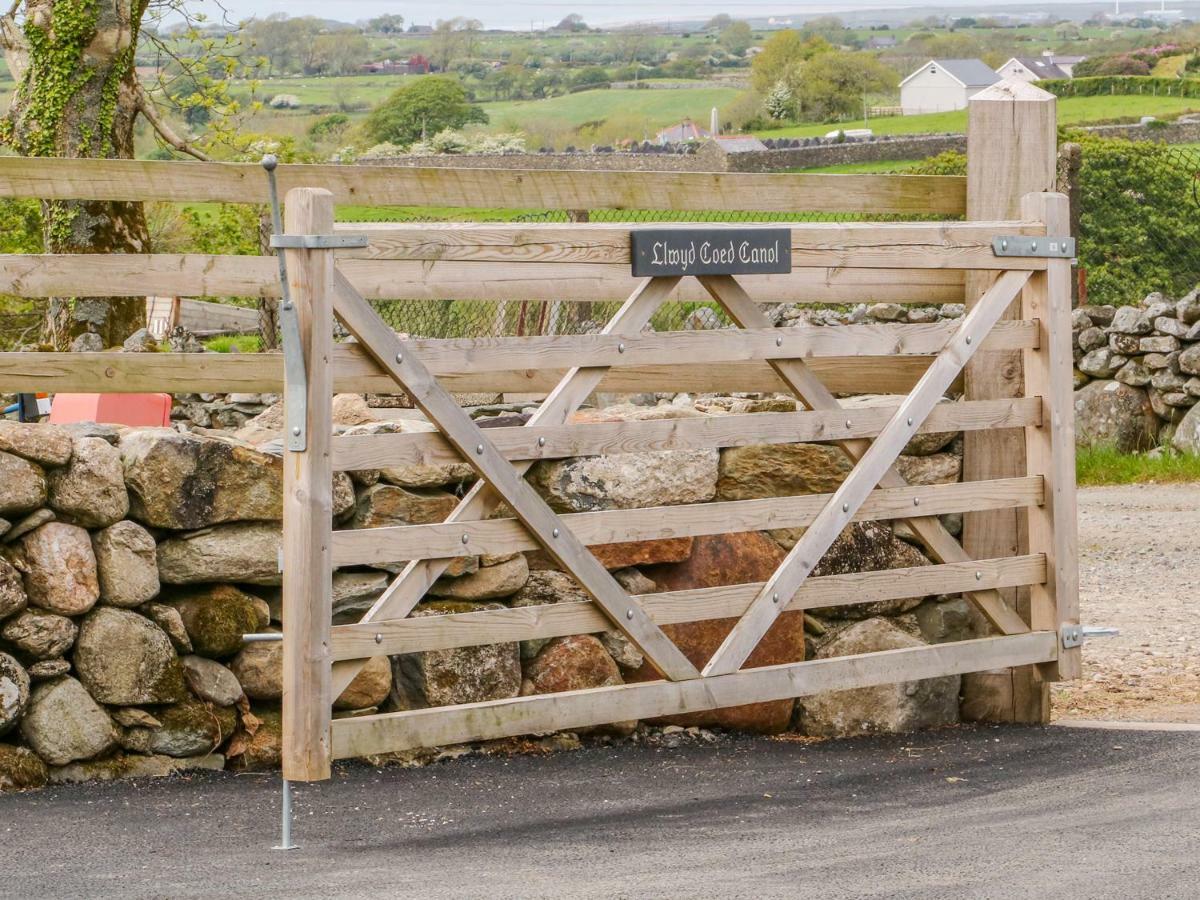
[[1046, 246], [319, 241]]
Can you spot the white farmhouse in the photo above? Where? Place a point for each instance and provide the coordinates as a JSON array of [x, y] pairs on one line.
[[1031, 68], [944, 84]]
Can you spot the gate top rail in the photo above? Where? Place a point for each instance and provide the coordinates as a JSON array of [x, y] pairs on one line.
[[126, 179]]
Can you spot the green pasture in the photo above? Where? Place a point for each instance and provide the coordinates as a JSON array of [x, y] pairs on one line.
[[657, 108]]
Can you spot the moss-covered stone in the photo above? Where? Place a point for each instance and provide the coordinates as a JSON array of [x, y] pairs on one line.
[[216, 617], [20, 769]]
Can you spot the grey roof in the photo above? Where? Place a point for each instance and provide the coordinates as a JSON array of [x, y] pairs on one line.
[[971, 72], [1041, 66], [739, 143]]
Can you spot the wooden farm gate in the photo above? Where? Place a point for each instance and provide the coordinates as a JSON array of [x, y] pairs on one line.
[[1017, 413]]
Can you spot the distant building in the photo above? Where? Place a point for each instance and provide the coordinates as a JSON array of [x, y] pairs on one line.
[[944, 84], [881, 42], [1031, 68], [685, 131], [1066, 63]]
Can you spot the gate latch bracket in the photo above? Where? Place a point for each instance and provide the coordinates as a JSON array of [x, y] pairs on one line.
[[1074, 635], [1046, 246], [319, 241]]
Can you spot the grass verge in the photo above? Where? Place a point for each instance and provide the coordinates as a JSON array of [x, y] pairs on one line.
[[1104, 465]]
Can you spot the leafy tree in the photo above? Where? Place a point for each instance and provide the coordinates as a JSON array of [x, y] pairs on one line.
[[386, 24], [781, 53], [426, 106], [780, 103], [833, 85], [718, 22], [571, 23], [736, 38]]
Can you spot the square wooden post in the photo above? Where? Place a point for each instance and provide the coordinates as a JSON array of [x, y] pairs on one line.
[[308, 505], [1011, 152]]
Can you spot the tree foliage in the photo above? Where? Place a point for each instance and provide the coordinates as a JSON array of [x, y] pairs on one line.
[[781, 53], [425, 107], [834, 85]]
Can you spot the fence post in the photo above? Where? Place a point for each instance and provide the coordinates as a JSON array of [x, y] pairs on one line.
[[308, 505], [1011, 152]]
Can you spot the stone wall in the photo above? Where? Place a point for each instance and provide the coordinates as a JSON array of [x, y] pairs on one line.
[[1138, 374], [132, 561]]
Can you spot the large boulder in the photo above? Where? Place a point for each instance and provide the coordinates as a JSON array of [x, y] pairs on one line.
[[370, 687], [258, 667], [46, 445], [488, 583], [22, 485], [211, 681], [40, 634], [246, 552], [124, 659], [722, 560], [21, 769], [126, 563], [185, 481], [627, 480], [906, 706], [189, 728], [14, 692], [90, 491], [574, 663], [12, 590], [919, 444], [59, 568], [459, 675], [389, 504], [868, 547], [64, 724], [1187, 433], [935, 468], [1111, 414], [780, 470], [217, 616]]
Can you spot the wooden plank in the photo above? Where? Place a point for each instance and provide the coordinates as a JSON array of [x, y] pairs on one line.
[[308, 507], [112, 179], [503, 354], [815, 392], [480, 501], [391, 732], [500, 536], [874, 464], [920, 245], [117, 373], [472, 442], [201, 275], [374, 451], [1011, 151], [562, 619], [1050, 449]]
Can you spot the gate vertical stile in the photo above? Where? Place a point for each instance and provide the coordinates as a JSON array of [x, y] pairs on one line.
[[308, 503]]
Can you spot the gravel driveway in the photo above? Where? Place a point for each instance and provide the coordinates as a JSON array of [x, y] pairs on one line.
[[1139, 569]]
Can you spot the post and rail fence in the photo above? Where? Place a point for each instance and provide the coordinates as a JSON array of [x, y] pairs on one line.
[[1010, 356]]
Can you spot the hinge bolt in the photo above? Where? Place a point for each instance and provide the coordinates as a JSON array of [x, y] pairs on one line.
[[296, 431], [1033, 246], [910, 421]]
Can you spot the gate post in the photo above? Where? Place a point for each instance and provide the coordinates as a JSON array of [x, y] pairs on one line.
[[1011, 152], [308, 504]]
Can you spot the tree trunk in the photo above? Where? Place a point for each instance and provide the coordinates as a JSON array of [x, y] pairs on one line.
[[76, 97]]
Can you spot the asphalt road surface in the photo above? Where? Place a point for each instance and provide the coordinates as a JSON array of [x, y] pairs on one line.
[[988, 812]]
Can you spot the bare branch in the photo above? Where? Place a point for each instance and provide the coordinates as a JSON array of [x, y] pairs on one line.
[[165, 131]]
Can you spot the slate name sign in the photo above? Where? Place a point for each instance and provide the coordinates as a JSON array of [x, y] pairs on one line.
[[711, 251]]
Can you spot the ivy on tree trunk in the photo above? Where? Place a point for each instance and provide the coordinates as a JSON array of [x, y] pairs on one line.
[[77, 97]]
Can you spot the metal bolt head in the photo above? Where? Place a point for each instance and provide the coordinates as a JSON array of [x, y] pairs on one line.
[[845, 507], [620, 348], [968, 339], [849, 424], [541, 442], [629, 614], [1004, 245], [399, 357], [554, 533], [779, 340], [774, 598], [269, 162], [1033, 246], [378, 638], [910, 421], [466, 538], [916, 501], [296, 431], [479, 449], [979, 576]]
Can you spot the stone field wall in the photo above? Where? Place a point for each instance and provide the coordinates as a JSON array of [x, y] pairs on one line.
[[133, 560]]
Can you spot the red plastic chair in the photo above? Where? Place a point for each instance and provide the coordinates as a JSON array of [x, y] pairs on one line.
[[111, 409]]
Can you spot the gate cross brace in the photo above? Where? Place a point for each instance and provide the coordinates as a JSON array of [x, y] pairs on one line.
[[404, 366], [872, 465]]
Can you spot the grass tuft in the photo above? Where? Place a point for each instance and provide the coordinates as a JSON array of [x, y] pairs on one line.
[[1104, 465], [234, 343]]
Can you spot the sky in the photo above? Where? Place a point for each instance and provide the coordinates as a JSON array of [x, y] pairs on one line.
[[520, 13]]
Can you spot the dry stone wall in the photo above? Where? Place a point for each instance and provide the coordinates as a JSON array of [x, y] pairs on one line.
[[132, 561]]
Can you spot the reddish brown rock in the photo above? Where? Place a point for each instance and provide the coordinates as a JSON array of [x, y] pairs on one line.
[[730, 559], [625, 554], [574, 663]]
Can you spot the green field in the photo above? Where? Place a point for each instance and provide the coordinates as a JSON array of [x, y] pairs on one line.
[[348, 91], [656, 107], [1071, 111]]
